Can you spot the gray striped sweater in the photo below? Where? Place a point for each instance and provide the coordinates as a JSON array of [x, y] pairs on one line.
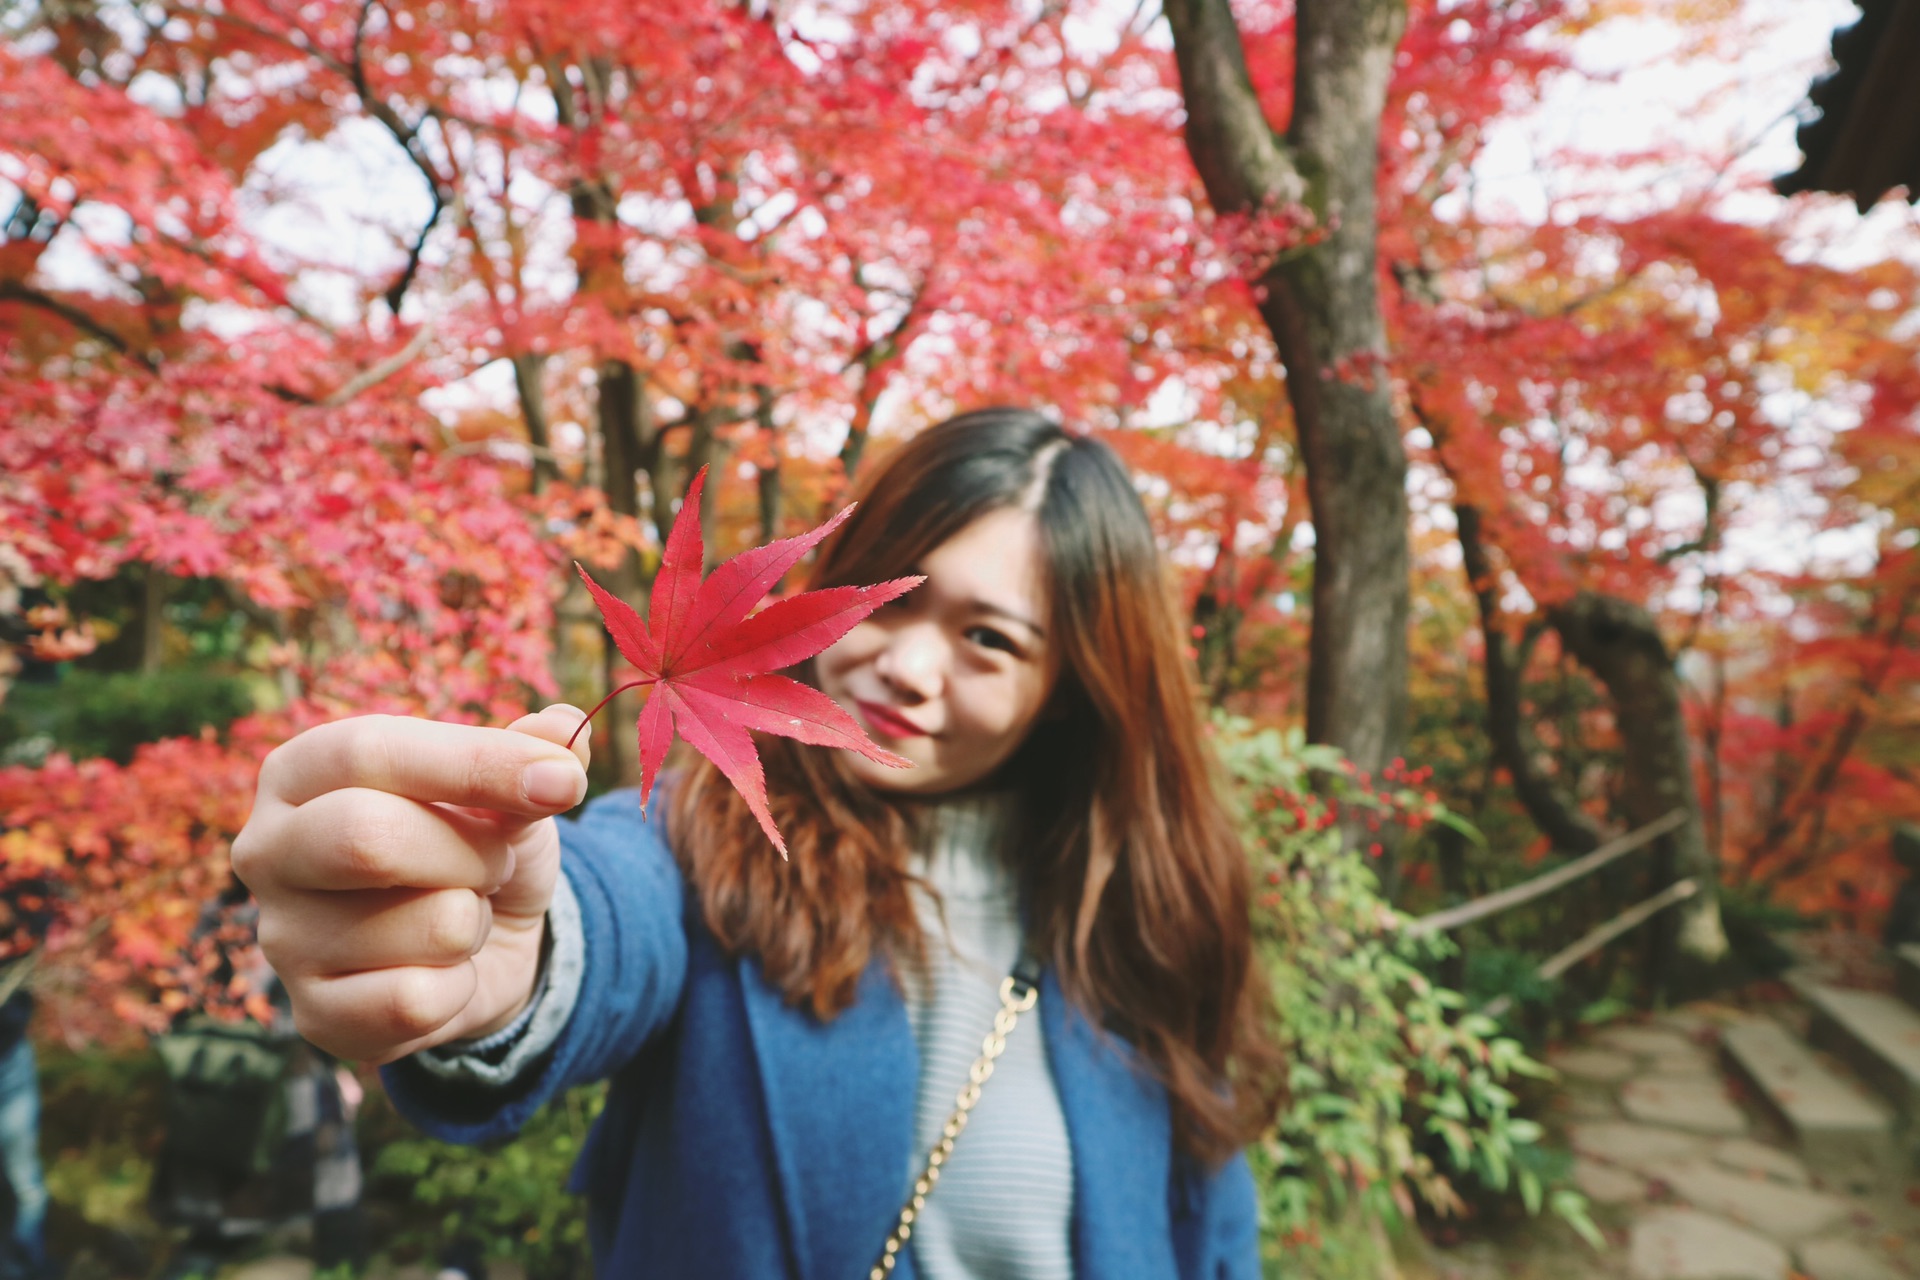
[[1004, 1204]]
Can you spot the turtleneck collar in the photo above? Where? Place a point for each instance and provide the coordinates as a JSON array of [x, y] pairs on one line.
[[961, 849]]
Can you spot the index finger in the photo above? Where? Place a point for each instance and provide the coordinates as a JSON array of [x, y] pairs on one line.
[[472, 765]]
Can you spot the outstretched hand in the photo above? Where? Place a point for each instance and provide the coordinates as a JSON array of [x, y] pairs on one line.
[[403, 869]]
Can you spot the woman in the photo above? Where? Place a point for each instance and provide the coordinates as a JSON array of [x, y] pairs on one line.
[[787, 1039]]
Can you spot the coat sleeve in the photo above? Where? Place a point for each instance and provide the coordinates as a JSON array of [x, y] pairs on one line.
[[631, 911], [1216, 1220], [1234, 1222]]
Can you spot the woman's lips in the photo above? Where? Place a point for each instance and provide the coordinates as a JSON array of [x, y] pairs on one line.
[[888, 722]]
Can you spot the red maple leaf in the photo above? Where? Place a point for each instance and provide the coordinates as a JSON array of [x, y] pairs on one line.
[[712, 661]]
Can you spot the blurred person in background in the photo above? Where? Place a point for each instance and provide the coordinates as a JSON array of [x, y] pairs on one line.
[[24, 916], [259, 1122]]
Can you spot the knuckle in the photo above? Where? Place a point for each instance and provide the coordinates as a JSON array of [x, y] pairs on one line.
[[243, 855], [484, 931], [272, 766], [416, 1003], [453, 925], [487, 779], [494, 768], [363, 841], [270, 930], [312, 1025], [304, 1021]]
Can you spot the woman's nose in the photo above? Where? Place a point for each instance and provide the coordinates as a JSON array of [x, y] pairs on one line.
[[914, 661]]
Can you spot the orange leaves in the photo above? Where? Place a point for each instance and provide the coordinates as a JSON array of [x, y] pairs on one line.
[[121, 859], [54, 640], [32, 853], [583, 527]]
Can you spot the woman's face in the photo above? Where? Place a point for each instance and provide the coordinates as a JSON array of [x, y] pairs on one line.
[[953, 674]]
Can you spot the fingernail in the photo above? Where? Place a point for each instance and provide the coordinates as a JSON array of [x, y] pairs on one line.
[[554, 784]]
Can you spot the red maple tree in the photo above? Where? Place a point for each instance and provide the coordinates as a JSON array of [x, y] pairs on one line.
[[748, 238]]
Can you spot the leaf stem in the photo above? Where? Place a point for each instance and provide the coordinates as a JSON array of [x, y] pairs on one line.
[[631, 684]]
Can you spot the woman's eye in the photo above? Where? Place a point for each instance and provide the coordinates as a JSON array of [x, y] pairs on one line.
[[988, 638]]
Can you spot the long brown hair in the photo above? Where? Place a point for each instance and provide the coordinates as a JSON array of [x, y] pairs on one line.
[[1136, 884]]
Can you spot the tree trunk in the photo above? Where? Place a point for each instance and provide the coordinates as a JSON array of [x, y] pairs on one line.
[[627, 450], [624, 421], [767, 477], [1558, 818], [1712, 741], [527, 368], [1621, 644], [153, 621], [704, 449], [1322, 305]]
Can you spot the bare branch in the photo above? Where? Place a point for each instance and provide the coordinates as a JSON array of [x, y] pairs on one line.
[[80, 320], [375, 374], [1556, 816], [874, 353]]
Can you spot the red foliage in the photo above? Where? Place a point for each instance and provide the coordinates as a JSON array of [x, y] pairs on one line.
[[713, 663], [126, 857], [791, 228]]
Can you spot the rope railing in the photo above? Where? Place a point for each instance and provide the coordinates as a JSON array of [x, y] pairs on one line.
[[1559, 877], [1599, 936]]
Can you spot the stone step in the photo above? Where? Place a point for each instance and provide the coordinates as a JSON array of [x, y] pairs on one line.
[[1832, 1120], [1877, 1035], [1906, 972]]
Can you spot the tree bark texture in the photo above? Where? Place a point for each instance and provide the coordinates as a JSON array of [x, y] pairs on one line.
[[1553, 812], [1321, 302], [1621, 644], [767, 475], [628, 446], [528, 368]]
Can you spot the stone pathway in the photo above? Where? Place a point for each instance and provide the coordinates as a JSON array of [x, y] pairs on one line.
[[1688, 1178], [1702, 1187]]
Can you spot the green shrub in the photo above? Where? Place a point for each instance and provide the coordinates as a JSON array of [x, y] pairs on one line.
[[1399, 1098], [1495, 971], [94, 1096], [1754, 925], [511, 1199], [100, 1126], [88, 714]]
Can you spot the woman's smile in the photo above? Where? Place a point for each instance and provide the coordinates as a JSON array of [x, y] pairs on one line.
[[887, 722], [952, 675]]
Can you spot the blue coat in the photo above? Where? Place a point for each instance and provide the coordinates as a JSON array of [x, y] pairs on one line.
[[745, 1138]]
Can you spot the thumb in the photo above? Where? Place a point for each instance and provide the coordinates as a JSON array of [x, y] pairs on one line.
[[558, 723], [534, 844]]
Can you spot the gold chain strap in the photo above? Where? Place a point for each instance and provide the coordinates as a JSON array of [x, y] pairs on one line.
[[1017, 995]]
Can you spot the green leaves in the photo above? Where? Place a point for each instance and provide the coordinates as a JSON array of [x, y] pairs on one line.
[[511, 1200], [1398, 1093]]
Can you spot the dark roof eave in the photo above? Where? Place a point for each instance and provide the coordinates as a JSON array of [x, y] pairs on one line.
[[1866, 140]]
